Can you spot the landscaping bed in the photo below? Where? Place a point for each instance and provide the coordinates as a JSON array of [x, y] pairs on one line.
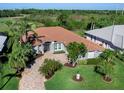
[[63, 79], [69, 65]]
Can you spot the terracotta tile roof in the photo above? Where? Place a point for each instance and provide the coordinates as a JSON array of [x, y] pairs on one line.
[[63, 35]]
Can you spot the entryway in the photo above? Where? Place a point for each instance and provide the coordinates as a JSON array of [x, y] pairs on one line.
[[46, 46]]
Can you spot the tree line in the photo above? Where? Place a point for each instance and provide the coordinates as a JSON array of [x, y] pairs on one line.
[[17, 12]]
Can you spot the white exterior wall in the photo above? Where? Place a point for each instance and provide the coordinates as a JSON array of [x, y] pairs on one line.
[[90, 54], [39, 49], [53, 50], [123, 43], [88, 38], [52, 47], [100, 42]]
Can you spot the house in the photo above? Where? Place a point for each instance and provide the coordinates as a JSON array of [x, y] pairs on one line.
[[111, 37], [3, 39], [56, 39]]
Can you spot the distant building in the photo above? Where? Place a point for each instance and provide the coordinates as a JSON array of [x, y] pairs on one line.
[[111, 37], [3, 39], [57, 38]]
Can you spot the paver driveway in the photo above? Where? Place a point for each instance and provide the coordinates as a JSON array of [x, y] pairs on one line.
[[32, 79]]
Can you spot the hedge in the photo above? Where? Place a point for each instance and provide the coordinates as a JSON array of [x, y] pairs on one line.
[[59, 52], [93, 61]]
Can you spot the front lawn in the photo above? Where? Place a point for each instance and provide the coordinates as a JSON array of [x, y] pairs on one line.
[[7, 81], [63, 79], [12, 84]]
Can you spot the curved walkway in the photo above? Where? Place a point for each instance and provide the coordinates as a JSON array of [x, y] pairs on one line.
[[32, 79]]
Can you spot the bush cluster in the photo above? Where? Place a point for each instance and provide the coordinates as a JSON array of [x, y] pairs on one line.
[[49, 67]]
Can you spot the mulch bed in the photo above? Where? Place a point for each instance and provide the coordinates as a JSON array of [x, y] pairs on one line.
[[74, 78], [48, 77], [69, 65], [109, 80]]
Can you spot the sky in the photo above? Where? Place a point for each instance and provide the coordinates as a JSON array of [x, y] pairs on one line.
[[80, 6]]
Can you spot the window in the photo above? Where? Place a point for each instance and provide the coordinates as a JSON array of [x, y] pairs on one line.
[[59, 45], [55, 46]]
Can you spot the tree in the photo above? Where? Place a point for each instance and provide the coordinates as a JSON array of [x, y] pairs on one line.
[[91, 25], [107, 55], [63, 19], [15, 31], [74, 50], [49, 67], [105, 67], [19, 55], [120, 54]]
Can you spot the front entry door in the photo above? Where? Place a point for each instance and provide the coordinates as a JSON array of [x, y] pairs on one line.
[[47, 46]]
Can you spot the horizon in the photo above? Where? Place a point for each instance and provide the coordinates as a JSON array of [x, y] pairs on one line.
[[63, 6]]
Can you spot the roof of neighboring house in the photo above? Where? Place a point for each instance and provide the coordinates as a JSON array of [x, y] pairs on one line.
[[2, 41], [113, 34], [63, 35]]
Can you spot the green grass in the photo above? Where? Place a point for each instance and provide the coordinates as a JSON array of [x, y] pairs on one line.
[[11, 84], [63, 79], [3, 27]]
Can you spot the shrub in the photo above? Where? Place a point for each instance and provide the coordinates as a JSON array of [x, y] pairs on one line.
[[59, 52], [93, 61], [82, 62], [105, 68], [49, 67]]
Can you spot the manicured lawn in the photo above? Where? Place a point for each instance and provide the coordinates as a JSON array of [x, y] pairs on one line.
[[6, 83], [63, 79], [12, 84]]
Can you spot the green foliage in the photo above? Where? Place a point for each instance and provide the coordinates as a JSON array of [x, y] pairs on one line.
[[105, 68], [81, 33], [8, 79], [75, 49], [70, 19], [93, 61], [59, 52], [82, 62], [62, 80], [50, 22], [19, 55], [49, 67], [63, 19], [107, 55], [120, 54]]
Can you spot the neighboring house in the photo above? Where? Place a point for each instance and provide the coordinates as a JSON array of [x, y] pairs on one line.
[[57, 38], [111, 37], [3, 39]]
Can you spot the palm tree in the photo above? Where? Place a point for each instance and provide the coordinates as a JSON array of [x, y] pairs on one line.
[[35, 38], [105, 66], [107, 55], [92, 23], [29, 27], [19, 56]]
